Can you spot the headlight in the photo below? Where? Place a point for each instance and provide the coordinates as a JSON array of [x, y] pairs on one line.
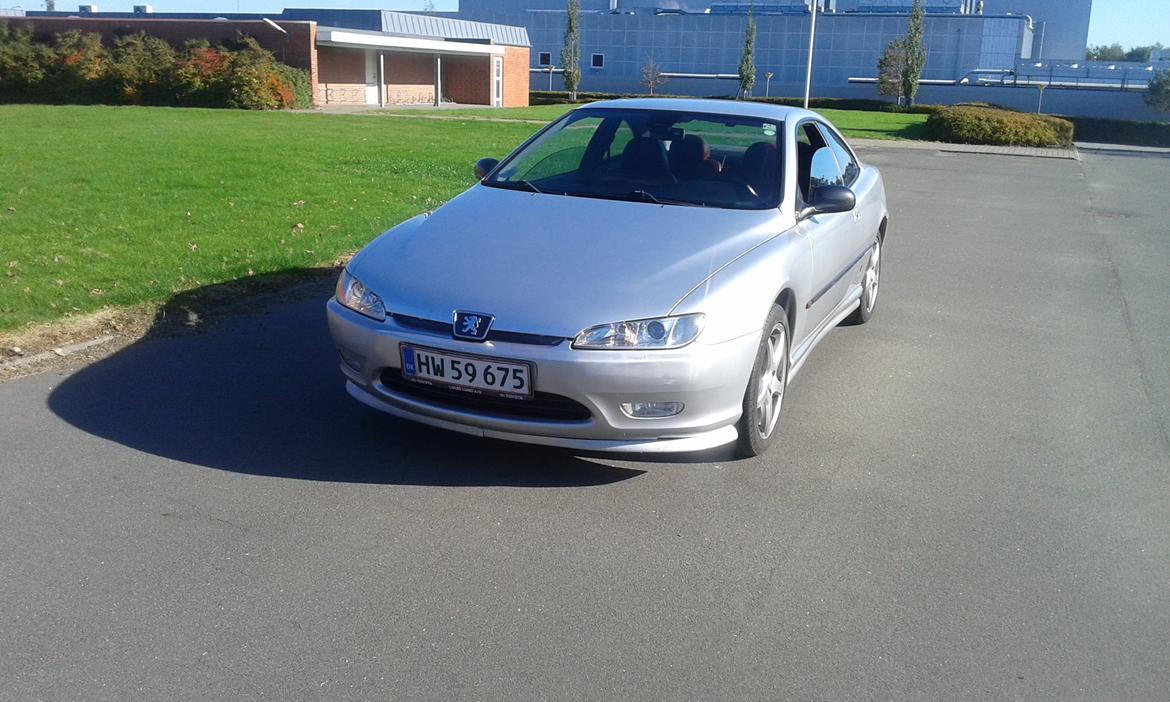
[[661, 333], [354, 294]]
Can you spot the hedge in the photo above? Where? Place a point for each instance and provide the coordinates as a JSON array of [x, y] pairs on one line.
[[1119, 131], [981, 125], [557, 97], [138, 69]]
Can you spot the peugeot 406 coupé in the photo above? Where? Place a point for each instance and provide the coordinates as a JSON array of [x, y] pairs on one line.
[[640, 276]]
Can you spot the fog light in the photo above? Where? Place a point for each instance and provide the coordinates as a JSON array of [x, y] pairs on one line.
[[643, 410]]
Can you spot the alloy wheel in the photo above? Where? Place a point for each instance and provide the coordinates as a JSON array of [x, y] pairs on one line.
[[873, 273], [774, 379]]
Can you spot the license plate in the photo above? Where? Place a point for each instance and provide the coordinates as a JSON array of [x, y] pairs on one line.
[[477, 375]]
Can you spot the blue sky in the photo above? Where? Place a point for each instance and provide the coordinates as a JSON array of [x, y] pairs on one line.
[[1128, 22]]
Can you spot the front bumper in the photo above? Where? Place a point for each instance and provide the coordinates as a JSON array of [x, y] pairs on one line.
[[708, 379]]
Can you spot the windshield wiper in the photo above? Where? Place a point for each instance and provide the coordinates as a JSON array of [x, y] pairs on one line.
[[528, 184], [644, 195], [647, 196]]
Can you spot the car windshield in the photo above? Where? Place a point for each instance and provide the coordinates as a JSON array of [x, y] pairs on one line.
[[656, 156]]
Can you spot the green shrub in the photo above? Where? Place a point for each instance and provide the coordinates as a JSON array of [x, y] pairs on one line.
[[75, 67], [980, 125], [990, 105], [78, 69], [299, 83], [1119, 131], [23, 63], [142, 70], [201, 76]]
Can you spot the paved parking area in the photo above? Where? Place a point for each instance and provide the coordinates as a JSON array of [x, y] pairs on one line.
[[970, 500]]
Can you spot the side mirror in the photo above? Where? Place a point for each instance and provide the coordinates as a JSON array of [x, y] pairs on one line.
[[827, 199], [485, 166]]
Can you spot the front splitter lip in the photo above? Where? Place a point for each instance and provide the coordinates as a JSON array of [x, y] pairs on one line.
[[685, 444]]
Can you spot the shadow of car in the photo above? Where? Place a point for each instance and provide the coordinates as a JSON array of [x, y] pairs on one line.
[[259, 394]]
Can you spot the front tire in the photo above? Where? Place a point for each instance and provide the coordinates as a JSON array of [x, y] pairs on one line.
[[869, 286], [764, 395]]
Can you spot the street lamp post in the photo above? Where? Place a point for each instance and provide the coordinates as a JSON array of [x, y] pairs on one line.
[[768, 84], [812, 35]]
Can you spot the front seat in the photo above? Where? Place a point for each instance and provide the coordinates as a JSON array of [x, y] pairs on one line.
[[644, 159], [690, 159], [761, 169]]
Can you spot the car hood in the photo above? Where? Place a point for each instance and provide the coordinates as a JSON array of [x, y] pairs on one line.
[[551, 264]]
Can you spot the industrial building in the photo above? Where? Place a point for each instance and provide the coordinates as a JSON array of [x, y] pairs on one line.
[[999, 51], [689, 38]]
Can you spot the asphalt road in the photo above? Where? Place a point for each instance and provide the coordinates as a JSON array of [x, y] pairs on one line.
[[970, 500]]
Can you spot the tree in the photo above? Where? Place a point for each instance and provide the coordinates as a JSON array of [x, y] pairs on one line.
[[1112, 52], [1142, 54], [915, 52], [891, 70], [50, 5], [747, 62], [571, 52], [1158, 97], [652, 76]]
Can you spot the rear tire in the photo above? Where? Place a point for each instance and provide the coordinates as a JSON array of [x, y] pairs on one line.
[[869, 286], [764, 395]]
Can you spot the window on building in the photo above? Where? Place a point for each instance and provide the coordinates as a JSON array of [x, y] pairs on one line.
[[544, 58], [598, 61]]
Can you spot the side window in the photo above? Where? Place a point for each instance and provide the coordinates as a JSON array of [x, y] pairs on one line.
[[850, 169], [808, 141]]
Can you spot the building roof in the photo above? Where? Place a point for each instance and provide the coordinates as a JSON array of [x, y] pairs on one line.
[[417, 25], [357, 38]]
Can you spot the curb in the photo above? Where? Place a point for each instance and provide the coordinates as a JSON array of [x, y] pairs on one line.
[[1071, 154], [60, 352]]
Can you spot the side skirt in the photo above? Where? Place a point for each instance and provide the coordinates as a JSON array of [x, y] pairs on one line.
[[801, 354]]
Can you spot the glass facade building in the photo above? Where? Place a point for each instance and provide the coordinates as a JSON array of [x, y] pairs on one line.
[[688, 38]]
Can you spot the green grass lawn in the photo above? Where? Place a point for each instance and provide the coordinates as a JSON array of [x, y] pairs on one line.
[[115, 206], [854, 124]]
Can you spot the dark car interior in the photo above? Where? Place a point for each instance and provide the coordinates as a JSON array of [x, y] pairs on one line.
[[664, 157]]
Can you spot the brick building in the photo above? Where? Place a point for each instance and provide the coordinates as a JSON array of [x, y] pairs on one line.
[[354, 57]]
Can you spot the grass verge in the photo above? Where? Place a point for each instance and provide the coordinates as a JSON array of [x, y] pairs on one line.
[[115, 206]]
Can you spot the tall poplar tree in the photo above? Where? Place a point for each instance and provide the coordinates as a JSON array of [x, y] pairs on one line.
[[747, 62], [915, 52], [571, 52]]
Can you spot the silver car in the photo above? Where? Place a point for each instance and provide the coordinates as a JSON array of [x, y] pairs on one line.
[[639, 276]]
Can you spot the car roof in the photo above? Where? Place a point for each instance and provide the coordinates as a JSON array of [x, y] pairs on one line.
[[735, 108]]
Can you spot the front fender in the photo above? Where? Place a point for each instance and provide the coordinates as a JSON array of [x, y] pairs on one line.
[[398, 229], [738, 297]]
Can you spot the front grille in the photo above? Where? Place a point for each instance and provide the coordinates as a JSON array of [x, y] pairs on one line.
[[543, 406], [444, 328]]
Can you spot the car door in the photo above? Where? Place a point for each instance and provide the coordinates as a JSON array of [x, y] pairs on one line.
[[830, 236]]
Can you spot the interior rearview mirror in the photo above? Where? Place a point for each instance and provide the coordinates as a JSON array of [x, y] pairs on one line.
[[485, 166]]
